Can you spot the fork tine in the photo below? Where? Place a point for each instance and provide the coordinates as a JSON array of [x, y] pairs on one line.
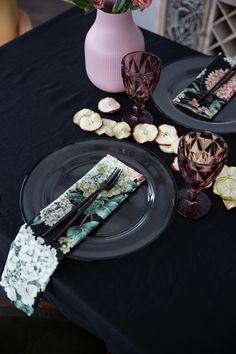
[[109, 178], [113, 178]]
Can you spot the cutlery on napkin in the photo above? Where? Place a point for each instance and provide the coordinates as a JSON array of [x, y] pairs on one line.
[[68, 219], [33, 258], [211, 89]]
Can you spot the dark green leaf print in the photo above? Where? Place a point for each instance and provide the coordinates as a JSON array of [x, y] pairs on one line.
[[79, 232], [107, 209], [74, 235], [130, 187], [196, 87], [38, 220], [215, 106], [97, 204], [190, 89], [76, 197], [118, 198]]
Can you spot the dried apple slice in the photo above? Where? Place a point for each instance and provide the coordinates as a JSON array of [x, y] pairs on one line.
[[83, 112], [90, 123], [167, 149], [224, 172], [145, 133], [108, 105], [167, 134], [175, 164], [232, 172], [215, 190], [229, 204], [170, 149], [226, 188], [107, 127], [228, 171], [122, 130]]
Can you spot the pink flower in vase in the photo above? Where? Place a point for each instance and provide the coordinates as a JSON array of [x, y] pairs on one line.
[[111, 6], [227, 90], [142, 4], [98, 4]]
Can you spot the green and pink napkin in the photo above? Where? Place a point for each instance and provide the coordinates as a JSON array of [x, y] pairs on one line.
[[190, 97], [33, 259]]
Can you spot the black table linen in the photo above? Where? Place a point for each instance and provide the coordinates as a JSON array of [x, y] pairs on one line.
[[175, 296]]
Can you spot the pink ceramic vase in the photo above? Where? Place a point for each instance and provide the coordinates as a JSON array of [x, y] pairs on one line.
[[110, 38]]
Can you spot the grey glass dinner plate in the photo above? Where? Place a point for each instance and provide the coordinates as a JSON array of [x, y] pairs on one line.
[[138, 221], [174, 78]]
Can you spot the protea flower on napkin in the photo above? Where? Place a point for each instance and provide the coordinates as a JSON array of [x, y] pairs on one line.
[[190, 97]]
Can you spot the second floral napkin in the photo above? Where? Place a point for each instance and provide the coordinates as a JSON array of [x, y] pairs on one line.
[[190, 97], [33, 259]]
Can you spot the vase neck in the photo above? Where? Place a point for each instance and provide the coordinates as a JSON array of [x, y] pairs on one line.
[[112, 19]]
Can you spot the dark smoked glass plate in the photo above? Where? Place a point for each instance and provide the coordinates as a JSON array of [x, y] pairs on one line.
[[174, 78], [137, 222]]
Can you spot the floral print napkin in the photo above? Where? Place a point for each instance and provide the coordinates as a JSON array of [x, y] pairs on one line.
[[204, 82], [33, 259]]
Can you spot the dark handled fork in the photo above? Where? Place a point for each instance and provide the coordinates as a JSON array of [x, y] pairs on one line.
[[70, 217]]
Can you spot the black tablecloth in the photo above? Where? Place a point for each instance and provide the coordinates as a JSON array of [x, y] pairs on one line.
[[175, 296]]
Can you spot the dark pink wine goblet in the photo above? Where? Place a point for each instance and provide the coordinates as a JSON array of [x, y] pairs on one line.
[[140, 73], [201, 157]]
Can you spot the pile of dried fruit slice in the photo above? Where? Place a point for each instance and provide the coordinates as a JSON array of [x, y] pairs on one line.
[[91, 121], [225, 186], [165, 135]]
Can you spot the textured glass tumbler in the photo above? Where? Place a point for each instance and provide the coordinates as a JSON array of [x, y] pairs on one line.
[[141, 73], [201, 157]]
